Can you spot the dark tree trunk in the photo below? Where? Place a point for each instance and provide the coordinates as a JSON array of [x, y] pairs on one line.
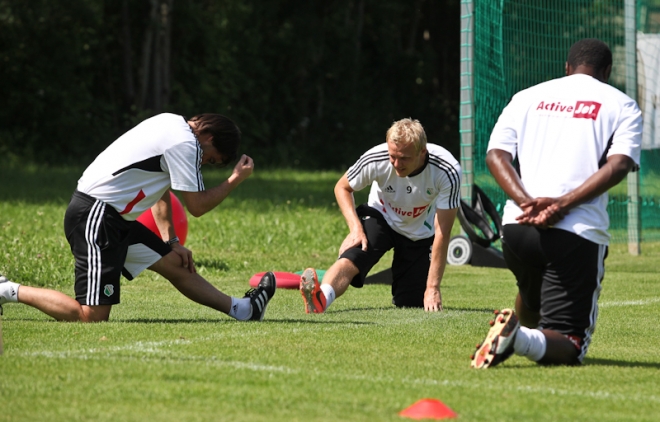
[[127, 57]]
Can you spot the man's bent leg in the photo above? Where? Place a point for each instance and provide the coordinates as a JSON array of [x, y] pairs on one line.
[[559, 350], [527, 317], [571, 287], [410, 269], [60, 306]]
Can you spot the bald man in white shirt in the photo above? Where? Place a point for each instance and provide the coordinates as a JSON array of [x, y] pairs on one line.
[[574, 138]]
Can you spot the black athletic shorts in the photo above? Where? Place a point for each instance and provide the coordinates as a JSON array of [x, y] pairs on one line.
[[105, 246], [410, 264], [559, 275]]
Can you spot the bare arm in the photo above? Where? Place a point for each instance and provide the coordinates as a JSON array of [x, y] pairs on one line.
[[162, 212], [346, 202], [608, 176], [544, 211], [199, 203], [499, 164], [444, 221], [611, 174]]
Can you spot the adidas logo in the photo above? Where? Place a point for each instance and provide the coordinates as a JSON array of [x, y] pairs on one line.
[[389, 189]]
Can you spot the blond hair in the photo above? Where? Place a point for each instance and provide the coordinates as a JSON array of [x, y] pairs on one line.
[[405, 132]]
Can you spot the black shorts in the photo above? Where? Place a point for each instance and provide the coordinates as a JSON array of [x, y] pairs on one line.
[[105, 246], [559, 275], [410, 264]]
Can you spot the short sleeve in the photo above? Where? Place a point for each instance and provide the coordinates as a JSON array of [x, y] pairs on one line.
[[504, 135], [627, 139], [183, 161], [449, 187]]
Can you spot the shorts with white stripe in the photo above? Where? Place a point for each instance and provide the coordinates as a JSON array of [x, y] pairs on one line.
[[410, 263], [559, 275], [101, 242]]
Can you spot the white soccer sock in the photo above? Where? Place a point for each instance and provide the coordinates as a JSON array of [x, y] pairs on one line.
[[8, 291], [241, 309], [530, 343], [329, 294]]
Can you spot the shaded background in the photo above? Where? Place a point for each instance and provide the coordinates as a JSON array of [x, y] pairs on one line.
[[312, 84]]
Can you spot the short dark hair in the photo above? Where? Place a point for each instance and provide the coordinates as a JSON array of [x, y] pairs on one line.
[[226, 135], [590, 52]]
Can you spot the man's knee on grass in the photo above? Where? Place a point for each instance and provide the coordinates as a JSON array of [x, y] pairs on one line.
[[98, 313], [561, 349]]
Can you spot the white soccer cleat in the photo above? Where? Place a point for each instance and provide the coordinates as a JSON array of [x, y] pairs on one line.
[[498, 344]]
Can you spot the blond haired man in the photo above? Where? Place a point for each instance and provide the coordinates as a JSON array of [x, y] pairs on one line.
[[414, 196]]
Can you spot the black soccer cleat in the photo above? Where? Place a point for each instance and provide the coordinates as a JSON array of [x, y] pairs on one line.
[[260, 296]]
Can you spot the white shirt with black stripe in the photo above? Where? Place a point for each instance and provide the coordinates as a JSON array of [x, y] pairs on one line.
[[559, 130], [408, 203], [132, 174]]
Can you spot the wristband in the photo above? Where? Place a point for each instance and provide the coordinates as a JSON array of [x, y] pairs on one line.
[[175, 239]]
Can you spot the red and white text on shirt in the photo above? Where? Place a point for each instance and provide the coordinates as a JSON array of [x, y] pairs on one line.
[[581, 109], [414, 213]]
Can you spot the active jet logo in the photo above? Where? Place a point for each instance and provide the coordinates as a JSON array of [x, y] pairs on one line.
[[581, 109], [586, 110], [416, 212]]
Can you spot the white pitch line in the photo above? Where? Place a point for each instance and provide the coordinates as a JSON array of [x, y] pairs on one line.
[[154, 349], [640, 302]]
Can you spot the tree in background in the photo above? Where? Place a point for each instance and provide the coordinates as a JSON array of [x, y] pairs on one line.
[[311, 84]]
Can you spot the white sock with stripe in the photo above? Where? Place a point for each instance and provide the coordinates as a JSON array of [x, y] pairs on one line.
[[241, 309], [530, 343], [329, 293], [8, 290]]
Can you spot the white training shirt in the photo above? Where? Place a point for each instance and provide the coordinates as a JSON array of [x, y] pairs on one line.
[[134, 172], [559, 130], [408, 203]]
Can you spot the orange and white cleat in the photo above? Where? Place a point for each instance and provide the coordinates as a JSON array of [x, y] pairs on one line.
[[310, 289], [498, 344]]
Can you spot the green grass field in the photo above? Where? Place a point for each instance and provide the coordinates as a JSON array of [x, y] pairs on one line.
[[164, 358]]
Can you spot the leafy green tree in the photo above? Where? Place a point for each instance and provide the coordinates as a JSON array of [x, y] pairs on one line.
[[311, 84]]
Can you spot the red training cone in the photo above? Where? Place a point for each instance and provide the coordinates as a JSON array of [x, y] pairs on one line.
[[428, 409]]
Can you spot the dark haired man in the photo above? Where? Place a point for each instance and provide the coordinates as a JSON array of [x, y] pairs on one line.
[[574, 137], [135, 173]]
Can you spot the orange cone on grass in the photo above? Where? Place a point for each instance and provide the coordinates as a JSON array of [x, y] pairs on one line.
[[428, 409]]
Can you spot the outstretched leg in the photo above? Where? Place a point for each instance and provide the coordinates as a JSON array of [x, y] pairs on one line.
[[251, 307], [337, 278], [191, 285]]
